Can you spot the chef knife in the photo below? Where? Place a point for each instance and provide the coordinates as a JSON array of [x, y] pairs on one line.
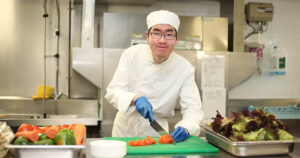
[[157, 127]]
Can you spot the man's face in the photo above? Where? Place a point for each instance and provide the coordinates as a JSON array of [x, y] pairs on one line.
[[162, 46]]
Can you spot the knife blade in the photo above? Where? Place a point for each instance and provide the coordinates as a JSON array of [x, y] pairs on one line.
[[157, 127]]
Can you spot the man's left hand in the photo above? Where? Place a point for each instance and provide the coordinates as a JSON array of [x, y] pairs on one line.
[[179, 134]]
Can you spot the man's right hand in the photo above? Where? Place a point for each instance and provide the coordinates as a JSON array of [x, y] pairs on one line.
[[144, 107]]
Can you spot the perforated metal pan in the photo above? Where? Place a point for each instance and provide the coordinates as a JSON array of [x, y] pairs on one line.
[[249, 148]]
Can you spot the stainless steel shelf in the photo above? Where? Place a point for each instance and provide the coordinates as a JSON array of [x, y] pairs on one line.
[[52, 121]]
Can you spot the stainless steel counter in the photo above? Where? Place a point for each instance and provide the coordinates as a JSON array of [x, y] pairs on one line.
[[17, 110], [221, 154]]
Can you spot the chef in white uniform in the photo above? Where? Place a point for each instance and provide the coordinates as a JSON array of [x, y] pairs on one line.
[[149, 80]]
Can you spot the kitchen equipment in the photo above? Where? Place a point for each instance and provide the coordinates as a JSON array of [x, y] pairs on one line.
[[46, 151], [193, 144], [157, 128], [250, 148], [108, 148]]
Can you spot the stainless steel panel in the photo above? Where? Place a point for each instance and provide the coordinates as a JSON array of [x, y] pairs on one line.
[[190, 27], [116, 30], [241, 66], [128, 2], [21, 40], [26, 110], [238, 67], [57, 107], [81, 88], [21, 48], [189, 55], [106, 128], [138, 25], [88, 62], [212, 32], [215, 34], [88, 121], [112, 57]]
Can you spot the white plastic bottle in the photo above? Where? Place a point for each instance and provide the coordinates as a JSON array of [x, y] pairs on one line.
[[277, 61]]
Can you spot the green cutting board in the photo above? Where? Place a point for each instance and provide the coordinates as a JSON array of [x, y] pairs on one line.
[[193, 144]]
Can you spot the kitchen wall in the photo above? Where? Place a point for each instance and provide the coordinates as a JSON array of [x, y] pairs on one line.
[[284, 28], [22, 41], [22, 33]]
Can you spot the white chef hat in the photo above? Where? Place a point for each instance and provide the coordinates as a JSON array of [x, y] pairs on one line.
[[163, 17]]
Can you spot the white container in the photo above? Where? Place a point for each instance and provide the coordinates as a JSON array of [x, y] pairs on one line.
[[108, 149], [277, 62]]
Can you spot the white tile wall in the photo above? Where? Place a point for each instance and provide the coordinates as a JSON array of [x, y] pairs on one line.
[[285, 28]]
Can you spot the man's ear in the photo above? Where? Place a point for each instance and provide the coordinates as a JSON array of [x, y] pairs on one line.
[[147, 36]]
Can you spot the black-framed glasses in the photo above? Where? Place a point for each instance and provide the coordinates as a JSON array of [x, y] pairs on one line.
[[167, 36]]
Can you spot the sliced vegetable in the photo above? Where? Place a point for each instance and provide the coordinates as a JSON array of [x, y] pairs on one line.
[[60, 135], [284, 135], [270, 136], [35, 127], [22, 141], [64, 126], [79, 132], [147, 141], [44, 142], [43, 136], [33, 136], [46, 128], [131, 143], [165, 139], [71, 128], [253, 135], [64, 137], [141, 142], [52, 131], [25, 127]]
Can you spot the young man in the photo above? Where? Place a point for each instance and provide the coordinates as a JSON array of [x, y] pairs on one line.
[[149, 80]]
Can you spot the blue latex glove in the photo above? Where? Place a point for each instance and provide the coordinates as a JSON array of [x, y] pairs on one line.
[[179, 134], [144, 107]]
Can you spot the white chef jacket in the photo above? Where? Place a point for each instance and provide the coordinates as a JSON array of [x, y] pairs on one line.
[[162, 84]]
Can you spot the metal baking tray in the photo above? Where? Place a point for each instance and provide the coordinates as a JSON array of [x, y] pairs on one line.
[[46, 151], [250, 148]]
